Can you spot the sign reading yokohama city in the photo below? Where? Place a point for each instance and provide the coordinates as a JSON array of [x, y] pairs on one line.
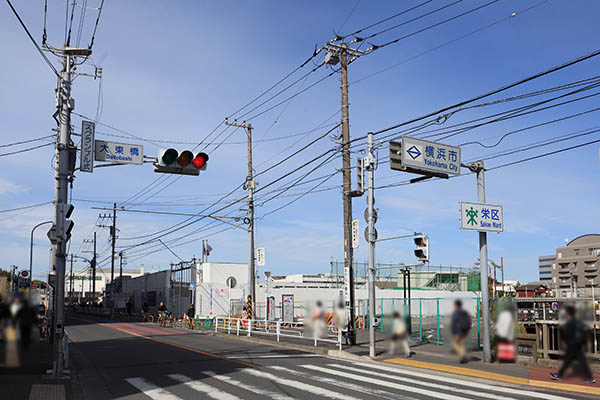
[[425, 157], [87, 146], [481, 217], [121, 153]]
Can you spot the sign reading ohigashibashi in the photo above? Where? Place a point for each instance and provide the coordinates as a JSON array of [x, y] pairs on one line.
[[481, 217], [121, 153], [425, 157]]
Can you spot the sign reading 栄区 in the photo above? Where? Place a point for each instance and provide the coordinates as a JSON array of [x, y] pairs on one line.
[[481, 217], [121, 153], [88, 129]]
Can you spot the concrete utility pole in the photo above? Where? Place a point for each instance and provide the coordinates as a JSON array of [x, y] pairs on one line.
[[59, 245], [347, 188], [120, 272], [251, 186], [93, 270], [113, 231], [371, 202], [71, 278], [483, 259]]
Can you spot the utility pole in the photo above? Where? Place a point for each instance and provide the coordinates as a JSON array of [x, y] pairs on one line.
[[502, 269], [113, 232], [251, 186], [94, 270], [71, 291], [371, 202], [478, 168], [120, 272]]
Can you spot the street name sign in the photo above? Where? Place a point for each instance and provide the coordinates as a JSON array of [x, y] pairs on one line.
[[121, 153], [355, 234], [481, 217], [88, 130], [425, 157], [260, 256]]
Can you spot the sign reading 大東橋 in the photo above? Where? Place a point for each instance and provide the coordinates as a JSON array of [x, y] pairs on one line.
[[422, 155], [121, 153], [481, 217], [87, 146]]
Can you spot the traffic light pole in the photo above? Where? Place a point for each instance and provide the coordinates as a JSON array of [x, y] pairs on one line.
[[60, 203], [251, 185], [347, 199], [93, 271], [371, 202]]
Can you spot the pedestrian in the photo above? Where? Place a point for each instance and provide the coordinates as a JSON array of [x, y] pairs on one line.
[[191, 313], [505, 334], [245, 317], [318, 319], [460, 325], [25, 320], [399, 335], [573, 335], [341, 320]]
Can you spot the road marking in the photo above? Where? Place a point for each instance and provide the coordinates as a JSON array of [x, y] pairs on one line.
[[387, 384], [297, 384], [250, 388], [463, 382], [337, 382], [422, 383], [565, 386], [278, 356], [208, 390], [247, 364], [151, 390]]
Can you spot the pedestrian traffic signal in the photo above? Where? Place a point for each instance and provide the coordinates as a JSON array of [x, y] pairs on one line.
[[422, 250], [170, 161]]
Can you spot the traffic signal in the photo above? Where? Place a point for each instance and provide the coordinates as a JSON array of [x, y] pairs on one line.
[[360, 177], [170, 161], [422, 250]]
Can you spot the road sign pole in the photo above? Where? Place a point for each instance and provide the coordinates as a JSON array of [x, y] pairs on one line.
[[483, 257], [371, 198]]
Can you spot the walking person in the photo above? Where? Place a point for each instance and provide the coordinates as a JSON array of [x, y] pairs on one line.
[[341, 320], [399, 336], [460, 325], [573, 335], [245, 317], [191, 313]]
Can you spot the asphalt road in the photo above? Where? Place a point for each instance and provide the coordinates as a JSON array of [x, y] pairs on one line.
[[116, 360]]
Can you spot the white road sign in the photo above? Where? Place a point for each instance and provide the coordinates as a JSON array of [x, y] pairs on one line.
[[426, 156], [355, 234], [260, 256], [88, 130], [119, 152], [481, 217]]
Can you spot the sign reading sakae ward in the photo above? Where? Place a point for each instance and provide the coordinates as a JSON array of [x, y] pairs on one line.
[[481, 217]]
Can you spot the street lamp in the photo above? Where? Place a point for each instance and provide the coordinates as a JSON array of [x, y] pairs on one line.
[[31, 253]]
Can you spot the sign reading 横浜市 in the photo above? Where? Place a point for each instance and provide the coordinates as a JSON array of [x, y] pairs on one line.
[[481, 217], [429, 156], [119, 152]]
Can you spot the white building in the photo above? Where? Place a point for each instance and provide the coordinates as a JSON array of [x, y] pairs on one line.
[[81, 284]]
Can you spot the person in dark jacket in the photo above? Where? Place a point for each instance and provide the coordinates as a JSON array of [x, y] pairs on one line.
[[460, 325], [573, 336]]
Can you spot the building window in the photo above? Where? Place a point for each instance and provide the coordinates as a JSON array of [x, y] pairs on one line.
[[559, 255], [553, 266], [595, 252], [554, 279]]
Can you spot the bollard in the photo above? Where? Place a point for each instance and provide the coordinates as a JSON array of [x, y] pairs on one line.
[[340, 339], [229, 326], [278, 329], [216, 324], [249, 326]]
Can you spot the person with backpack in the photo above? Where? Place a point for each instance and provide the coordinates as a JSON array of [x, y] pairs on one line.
[[460, 325], [573, 335]]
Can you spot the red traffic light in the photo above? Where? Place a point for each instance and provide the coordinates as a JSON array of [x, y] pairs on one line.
[[200, 160], [420, 241]]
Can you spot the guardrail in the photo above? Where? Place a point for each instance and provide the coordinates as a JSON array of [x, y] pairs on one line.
[[279, 329]]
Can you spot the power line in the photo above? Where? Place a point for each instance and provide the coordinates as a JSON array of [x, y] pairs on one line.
[[26, 207], [24, 150], [32, 39], [25, 141], [349, 15], [96, 25]]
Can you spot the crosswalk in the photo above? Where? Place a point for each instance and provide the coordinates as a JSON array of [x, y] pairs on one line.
[[328, 380]]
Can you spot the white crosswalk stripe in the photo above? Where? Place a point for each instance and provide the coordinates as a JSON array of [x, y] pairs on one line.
[[429, 384], [151, 390], [316, 390], [208, 390], [380, 382], [348, 385], [463, 382], [246, 386]]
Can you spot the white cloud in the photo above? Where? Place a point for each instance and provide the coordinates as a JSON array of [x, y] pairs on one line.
[[8, 187]]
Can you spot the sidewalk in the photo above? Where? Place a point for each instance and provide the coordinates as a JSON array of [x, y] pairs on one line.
[[29, 380], [437, 358]]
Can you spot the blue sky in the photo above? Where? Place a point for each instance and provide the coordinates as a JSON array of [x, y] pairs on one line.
[[174, 70]]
